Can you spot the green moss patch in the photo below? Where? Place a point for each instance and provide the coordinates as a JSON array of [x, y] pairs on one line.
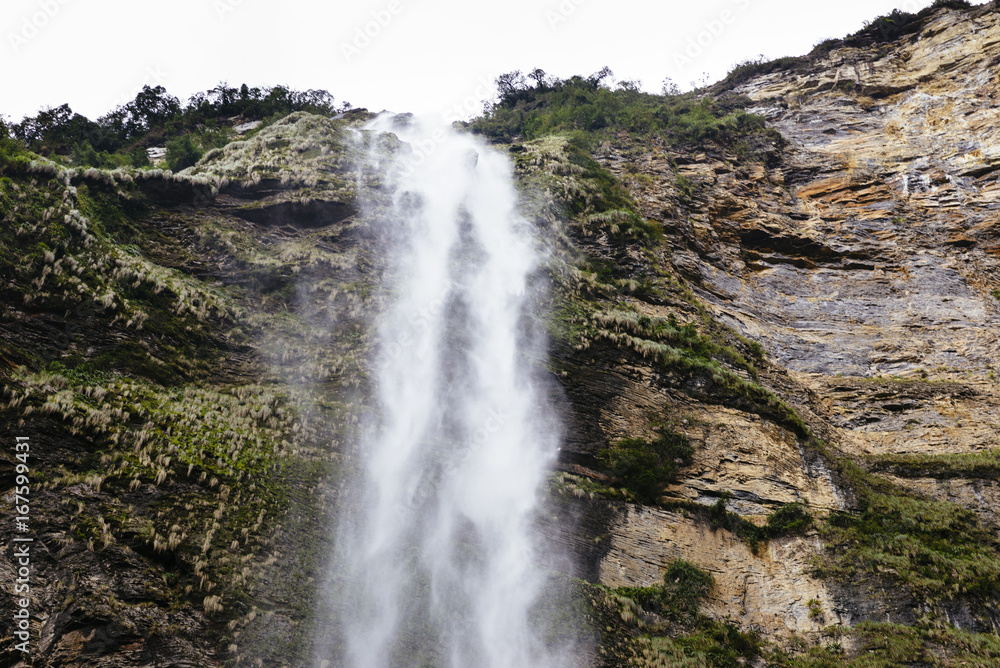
[[788, 519], [884, 645], [645, 467], [661, 625], [584, 104], [982, 464], [940, 551]]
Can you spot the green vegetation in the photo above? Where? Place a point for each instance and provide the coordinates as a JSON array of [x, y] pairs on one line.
[[221, 454], [789, 519], [60, 249], [645, 467], [940, 551], [154, 117], [678, 598], [13, 156], [84, 155], [286, 151], [661, 626], [181, 457], [681, 349], [937, 549], [610, 203], [586, 104], [982, 464], [181, 153], [594, 199], [884, 645], [710, 644], [686, 187]]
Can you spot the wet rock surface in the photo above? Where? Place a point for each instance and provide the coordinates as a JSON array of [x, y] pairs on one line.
[[862, 256]]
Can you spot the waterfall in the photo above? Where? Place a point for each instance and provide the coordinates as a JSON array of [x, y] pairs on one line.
[[441, 561]]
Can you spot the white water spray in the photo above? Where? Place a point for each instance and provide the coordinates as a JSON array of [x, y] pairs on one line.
[[440, 551]]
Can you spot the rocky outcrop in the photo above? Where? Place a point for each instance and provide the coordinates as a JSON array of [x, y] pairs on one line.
[[176, 462], [298, 171], [814, 322], [865, 263]]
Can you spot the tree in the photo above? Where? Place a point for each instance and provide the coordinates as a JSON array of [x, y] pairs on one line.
[[152, 107], [139, 157], [223, 96], [317, 101], [182, 153], [84, 155], [510, 83], [120, 123], [538, 76], [57, 130], [33, 130], [596, 78]]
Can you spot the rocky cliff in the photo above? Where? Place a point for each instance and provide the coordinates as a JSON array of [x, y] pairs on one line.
[[772, 311], [863, 260]]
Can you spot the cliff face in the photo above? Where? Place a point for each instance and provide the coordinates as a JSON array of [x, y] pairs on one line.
[[864, 261], [901, 175], [773, 360], [170, 352], [883, 261]]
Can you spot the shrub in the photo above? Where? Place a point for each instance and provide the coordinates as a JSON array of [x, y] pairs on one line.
[[679, 597], [139, 157], [182, 153], [84, 155], [884, 29], [13, 157], [755, 67], [788, 519], [684, 585], [583, 104], [645, 467]]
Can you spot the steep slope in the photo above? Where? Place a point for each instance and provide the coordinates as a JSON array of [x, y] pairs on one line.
[[173, 362], [771, 345], [864, 261]]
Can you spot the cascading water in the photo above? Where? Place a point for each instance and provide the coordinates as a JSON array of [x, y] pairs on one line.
[[440, 558]]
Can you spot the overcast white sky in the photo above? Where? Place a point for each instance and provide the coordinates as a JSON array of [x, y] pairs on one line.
[[418, 55]]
